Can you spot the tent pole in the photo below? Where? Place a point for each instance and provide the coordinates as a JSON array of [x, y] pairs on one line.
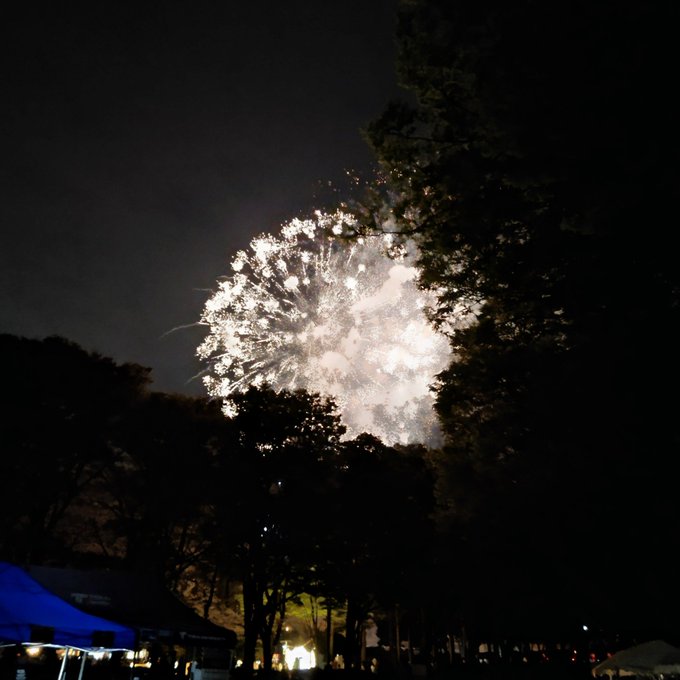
[[82, 666], [62, 669]]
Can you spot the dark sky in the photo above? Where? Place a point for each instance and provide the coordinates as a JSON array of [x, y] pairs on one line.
[[144, 143]]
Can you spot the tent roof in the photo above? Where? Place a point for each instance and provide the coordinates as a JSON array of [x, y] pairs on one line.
[[647, 659], [137, 601], [29, 612]]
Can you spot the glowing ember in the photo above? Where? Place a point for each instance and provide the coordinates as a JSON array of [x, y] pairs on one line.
[[309, 310]]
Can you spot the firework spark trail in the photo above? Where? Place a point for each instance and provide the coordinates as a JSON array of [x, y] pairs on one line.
[[310, 310]]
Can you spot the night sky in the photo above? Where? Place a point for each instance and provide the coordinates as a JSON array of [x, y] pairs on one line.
[[144, 144]]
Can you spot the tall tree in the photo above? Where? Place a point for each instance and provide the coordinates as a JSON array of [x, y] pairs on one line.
[[535, 168], [152, 500], [269, 503], [378, 535], [59, 408]]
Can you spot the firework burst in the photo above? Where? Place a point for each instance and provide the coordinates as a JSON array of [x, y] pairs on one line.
[[307, 309]]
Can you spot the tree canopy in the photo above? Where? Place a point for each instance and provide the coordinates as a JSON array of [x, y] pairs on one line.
[[60, 407], [535, 167]]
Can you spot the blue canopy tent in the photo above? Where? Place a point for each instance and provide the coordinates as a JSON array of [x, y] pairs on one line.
[[32, 615]]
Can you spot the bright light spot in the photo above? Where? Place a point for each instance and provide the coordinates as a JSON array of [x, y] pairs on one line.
[[308, 310], [299, 657]]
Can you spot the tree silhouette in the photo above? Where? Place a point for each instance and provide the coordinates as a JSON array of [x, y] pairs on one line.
[[535, 169], [60, 407], [268, 503]]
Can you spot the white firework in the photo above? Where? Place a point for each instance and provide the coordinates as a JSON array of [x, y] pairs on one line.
[[307, 309]]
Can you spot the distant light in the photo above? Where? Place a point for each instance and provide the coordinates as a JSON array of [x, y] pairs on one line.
[[299, 658], [34, 651], [585, 627]]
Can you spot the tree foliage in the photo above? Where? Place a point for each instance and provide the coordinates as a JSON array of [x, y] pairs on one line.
[[535, 168], [100, 470], [59, 411], [378, 535], [267, 496], [152, 499]]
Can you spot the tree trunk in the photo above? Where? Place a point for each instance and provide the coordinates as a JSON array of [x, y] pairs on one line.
[[352, 651], [329, 633], [251, 621], [211, 594], [397, 635], [267, 652]]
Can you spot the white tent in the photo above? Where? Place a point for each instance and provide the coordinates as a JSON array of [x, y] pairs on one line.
[[655, 659]]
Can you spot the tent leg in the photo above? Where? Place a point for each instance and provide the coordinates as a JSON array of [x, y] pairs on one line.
[[62, 669], [82, 666]]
